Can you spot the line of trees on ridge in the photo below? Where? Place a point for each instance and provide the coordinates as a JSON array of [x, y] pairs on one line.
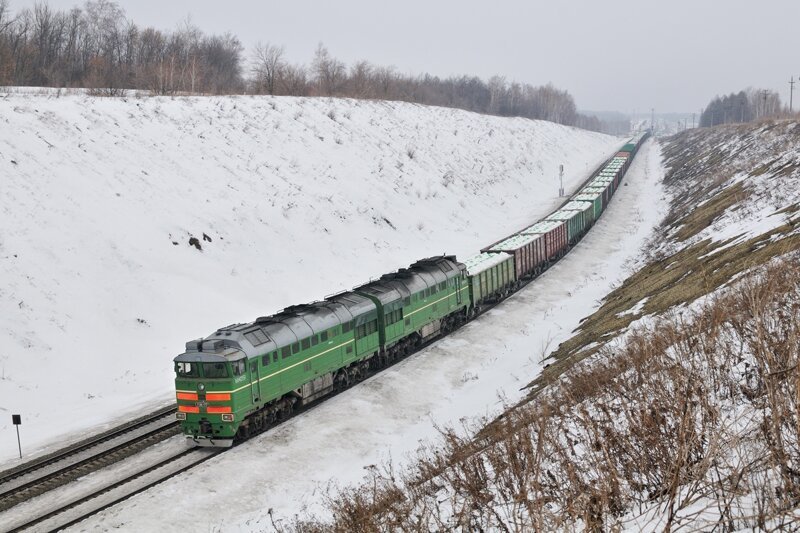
[[744, 106], [97, 47]]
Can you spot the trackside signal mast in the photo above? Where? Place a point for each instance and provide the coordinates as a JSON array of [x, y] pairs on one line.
[[17, 421]]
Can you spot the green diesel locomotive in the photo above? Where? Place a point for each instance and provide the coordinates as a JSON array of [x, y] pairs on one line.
[[245, 377]]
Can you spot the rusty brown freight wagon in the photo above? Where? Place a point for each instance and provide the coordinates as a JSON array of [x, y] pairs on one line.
[[529, 253], [555, 237]]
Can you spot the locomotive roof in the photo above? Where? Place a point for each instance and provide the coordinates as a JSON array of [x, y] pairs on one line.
[[424, 273], [484, 261], [350, 303], [445, 264], [268, 333], [297, 322], [543, 226], [411, 281], [389, 293]]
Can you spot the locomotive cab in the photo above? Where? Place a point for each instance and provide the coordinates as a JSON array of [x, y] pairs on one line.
[[207, 382]]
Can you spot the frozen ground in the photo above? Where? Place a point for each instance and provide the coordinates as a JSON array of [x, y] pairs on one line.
[[392, 414], [298, 198]]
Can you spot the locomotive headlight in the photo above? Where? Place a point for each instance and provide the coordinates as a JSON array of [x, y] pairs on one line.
[[227, 418], [180, 416], [200, 386]]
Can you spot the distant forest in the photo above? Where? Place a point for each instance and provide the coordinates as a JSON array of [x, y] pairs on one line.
[[744, 106], [99, 48]]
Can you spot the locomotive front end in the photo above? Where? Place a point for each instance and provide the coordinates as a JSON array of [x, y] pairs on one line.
[[207, 380]]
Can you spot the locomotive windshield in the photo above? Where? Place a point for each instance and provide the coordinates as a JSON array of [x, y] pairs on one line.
[[215, 370], [187, 370]]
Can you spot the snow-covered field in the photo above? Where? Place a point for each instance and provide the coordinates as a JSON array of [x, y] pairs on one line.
[[386, 418], [290, 198]]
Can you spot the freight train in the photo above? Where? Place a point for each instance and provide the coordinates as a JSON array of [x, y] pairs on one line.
[[244, 378]]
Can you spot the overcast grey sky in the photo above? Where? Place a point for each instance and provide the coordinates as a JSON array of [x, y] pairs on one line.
[[673, 55]]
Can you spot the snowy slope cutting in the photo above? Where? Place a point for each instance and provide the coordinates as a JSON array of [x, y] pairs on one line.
[[388, 417], [287, 200]]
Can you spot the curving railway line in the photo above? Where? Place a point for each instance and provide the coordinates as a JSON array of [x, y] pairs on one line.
[[129, 459]]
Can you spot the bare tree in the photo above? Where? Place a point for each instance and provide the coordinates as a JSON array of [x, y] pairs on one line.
[[294, 81], [328, 71], [360, 81], [267, 67]]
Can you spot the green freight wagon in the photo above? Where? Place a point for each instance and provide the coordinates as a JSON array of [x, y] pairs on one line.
[[605, 192], [596, 199], [490, 277], [606, 184], [587, 208], [574, 221]]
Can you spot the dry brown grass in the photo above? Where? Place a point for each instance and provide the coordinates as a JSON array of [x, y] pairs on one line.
[[695, 419]]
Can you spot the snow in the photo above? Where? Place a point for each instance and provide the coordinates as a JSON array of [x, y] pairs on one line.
[[388, 417], [290, 198], [484, 261]]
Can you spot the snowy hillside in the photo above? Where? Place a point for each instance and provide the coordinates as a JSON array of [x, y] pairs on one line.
[[395, 413], [290, 199], [673, 406]]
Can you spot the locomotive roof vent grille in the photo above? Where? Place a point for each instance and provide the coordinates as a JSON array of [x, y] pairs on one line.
[[302, 308], [194, 346]]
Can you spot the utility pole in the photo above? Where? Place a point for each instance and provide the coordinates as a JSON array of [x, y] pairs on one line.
[[791, 93], [561, 178], [765, 101], [692, 120], [653, 120]]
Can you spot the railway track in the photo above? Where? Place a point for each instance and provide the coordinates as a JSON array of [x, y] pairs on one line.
[[64, 510], [56, 469]]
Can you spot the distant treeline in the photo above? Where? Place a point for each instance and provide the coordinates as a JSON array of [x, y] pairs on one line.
[[99, 48], [744, 106]]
